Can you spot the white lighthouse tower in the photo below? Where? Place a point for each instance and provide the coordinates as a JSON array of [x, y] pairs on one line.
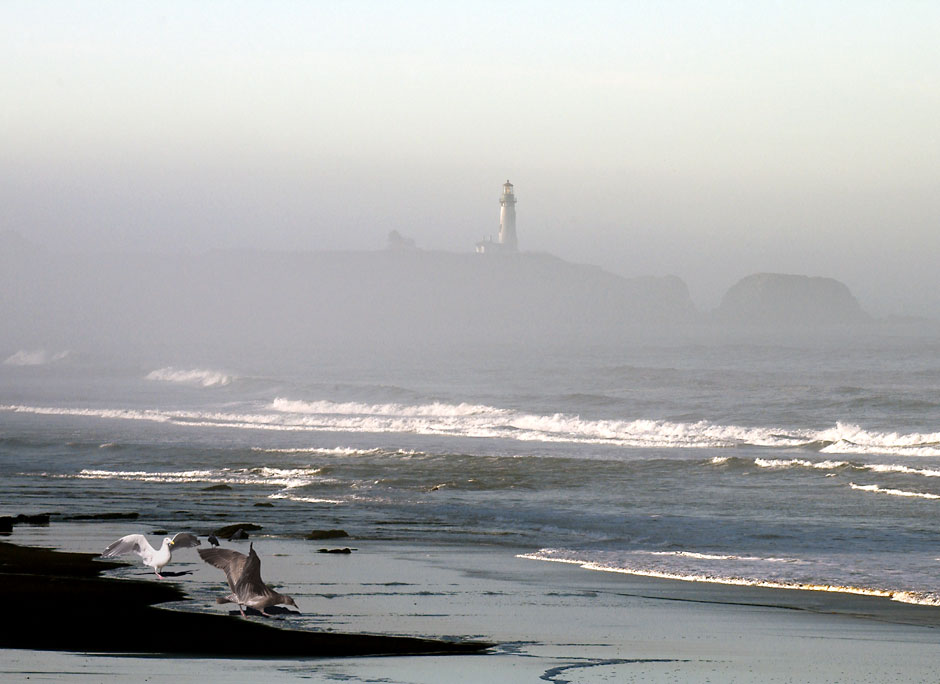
[[507, 219], [506, 240]]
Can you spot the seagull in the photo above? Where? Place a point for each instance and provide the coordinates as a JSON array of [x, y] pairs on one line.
[[155, 558], [244, 579]]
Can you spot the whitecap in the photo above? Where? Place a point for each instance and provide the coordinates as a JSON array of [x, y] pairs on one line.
[[893, 492], [196, 376], [847, 438], [906, 470], [480, 421], [435, 409], [781, 463], [285, 478], [305, 499], [35, 357]]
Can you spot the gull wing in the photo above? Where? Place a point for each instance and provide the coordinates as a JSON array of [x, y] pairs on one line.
[[250, 578], [132, 543], [227, 560], [185, 539], [250, 588]]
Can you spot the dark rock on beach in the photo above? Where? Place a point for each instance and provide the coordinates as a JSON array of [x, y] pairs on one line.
[[8, 521], [37, 519], [104, 516], [217, 488], [264, 504], [62, 604], [345, 549], [238, 534], [227, 531], [327, 534]]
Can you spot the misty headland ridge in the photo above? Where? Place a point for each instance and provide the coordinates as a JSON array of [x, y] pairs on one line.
[[401, 297]]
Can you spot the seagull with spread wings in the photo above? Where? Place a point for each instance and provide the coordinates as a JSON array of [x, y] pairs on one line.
[[155, 558], [244, 579]]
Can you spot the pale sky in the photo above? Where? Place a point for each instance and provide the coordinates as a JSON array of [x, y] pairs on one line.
[[709, 140]]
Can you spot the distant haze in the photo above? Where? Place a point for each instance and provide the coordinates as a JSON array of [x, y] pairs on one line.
[[705, 140]]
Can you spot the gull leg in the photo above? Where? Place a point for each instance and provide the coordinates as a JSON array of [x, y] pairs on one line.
[[242, 611]]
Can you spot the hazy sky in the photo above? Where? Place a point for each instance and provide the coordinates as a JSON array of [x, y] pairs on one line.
[[704, 139]]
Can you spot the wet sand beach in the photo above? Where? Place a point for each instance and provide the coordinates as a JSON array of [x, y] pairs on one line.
[[549, 622], [63, 604]]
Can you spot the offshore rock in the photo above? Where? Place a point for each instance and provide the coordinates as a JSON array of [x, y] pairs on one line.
[[789, 301]]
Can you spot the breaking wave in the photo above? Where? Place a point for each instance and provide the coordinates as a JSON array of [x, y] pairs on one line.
[[286, 478], [436, 409], [718, 556], [906, 470], [797, 462], [773, 573], [781, 464], [36, 357], [336, 451], [121, 414], [852, 439], [893, 492], [203, 378], [305, 499], [480, 421]]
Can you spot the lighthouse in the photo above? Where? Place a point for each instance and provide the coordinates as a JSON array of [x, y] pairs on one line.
[[506, 241], [507, 218]]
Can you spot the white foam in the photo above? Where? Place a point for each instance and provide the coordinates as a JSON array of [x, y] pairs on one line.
[[907, 470], [893, 492], [648, 433], [562, 556], [334, 451], [846, 438], [121, 414], [196, 376], [286, 478], [479, 421], [781, 463], [714, 556], [35, 357], [929, 450], [917, 598], [797, 462], [435, 409], [305, 499]]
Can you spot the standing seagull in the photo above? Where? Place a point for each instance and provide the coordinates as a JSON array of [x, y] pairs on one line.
[[244, 579], [155, 558]]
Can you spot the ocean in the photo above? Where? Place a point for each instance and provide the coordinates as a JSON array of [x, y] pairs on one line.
[[804, 464]]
